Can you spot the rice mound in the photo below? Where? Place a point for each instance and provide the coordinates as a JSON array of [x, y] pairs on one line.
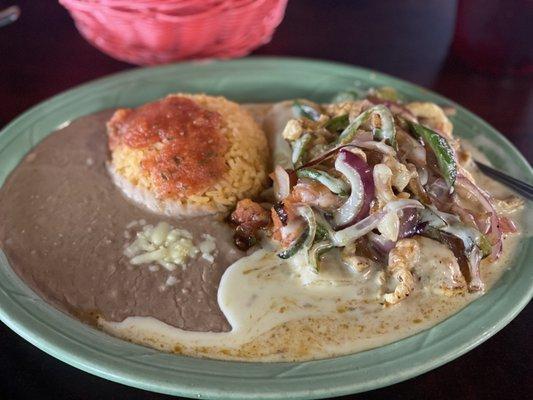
[[246, 161]]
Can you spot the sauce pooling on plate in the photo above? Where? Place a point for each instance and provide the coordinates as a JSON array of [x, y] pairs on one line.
[[228, 304], [280, 309]]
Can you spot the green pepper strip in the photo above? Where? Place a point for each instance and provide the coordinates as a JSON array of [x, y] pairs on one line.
[[321, 232], [337, 186], [323, 228], [299, 147], [295, 246], [338, 123], [468, 235], [316, 251], [305, 110], [386, 132], [441, 148]]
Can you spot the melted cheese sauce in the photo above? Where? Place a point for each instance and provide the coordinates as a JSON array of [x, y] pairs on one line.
[[274, 317], [277, 315]]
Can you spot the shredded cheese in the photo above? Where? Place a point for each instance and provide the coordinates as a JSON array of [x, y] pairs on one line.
[[162, 244], [167, 246], [208, 247]]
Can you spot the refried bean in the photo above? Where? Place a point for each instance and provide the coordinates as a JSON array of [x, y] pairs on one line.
[[62, 224]]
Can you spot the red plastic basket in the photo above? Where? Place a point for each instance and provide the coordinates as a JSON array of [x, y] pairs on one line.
[[148, 32]]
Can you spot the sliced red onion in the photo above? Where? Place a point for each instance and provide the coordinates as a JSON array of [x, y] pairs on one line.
[[439, 193], [438, 188], [411, 149], [361, 228], [395, 107], [282, 183], [328, 154], [495, 233], [382, 244], [364, 140], [466, 216], [409, 223], [417, 153], [483, 222], [472, 253], [507, 225], [423, 175], [463, 248], [378, 146], [359, 175], [364, 136]]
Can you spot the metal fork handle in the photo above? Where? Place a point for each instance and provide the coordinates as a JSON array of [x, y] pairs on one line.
[[518, 186]]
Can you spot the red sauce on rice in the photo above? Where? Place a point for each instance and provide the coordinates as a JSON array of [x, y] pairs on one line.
[[190, 146]]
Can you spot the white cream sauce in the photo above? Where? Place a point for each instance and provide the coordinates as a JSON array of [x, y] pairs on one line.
[[276, 314], [261, 293]]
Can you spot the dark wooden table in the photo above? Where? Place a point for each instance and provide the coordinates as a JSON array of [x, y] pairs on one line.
[[42, 54]]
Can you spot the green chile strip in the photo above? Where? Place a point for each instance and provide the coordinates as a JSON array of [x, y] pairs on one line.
[[299, 147], [338, 123], [440, 147], [337, 186], [305, 110], [386, 132], [295, 246]]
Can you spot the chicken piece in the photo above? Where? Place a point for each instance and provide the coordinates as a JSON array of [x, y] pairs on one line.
[[295, 127], [355, 262], [449, 278], [410, 149], [293, 130], [249, 218], [316, 195], [401, 261], [286, 222], [352, 108], [401, 175], [383, 182], [390, 224], [250, 213]]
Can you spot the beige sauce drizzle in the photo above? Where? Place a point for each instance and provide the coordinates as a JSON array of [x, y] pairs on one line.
[[277, 315]]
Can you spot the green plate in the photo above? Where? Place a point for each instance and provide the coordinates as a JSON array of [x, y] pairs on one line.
[[252, 80]]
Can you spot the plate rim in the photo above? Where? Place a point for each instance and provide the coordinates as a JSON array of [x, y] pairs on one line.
[[104, 368]]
